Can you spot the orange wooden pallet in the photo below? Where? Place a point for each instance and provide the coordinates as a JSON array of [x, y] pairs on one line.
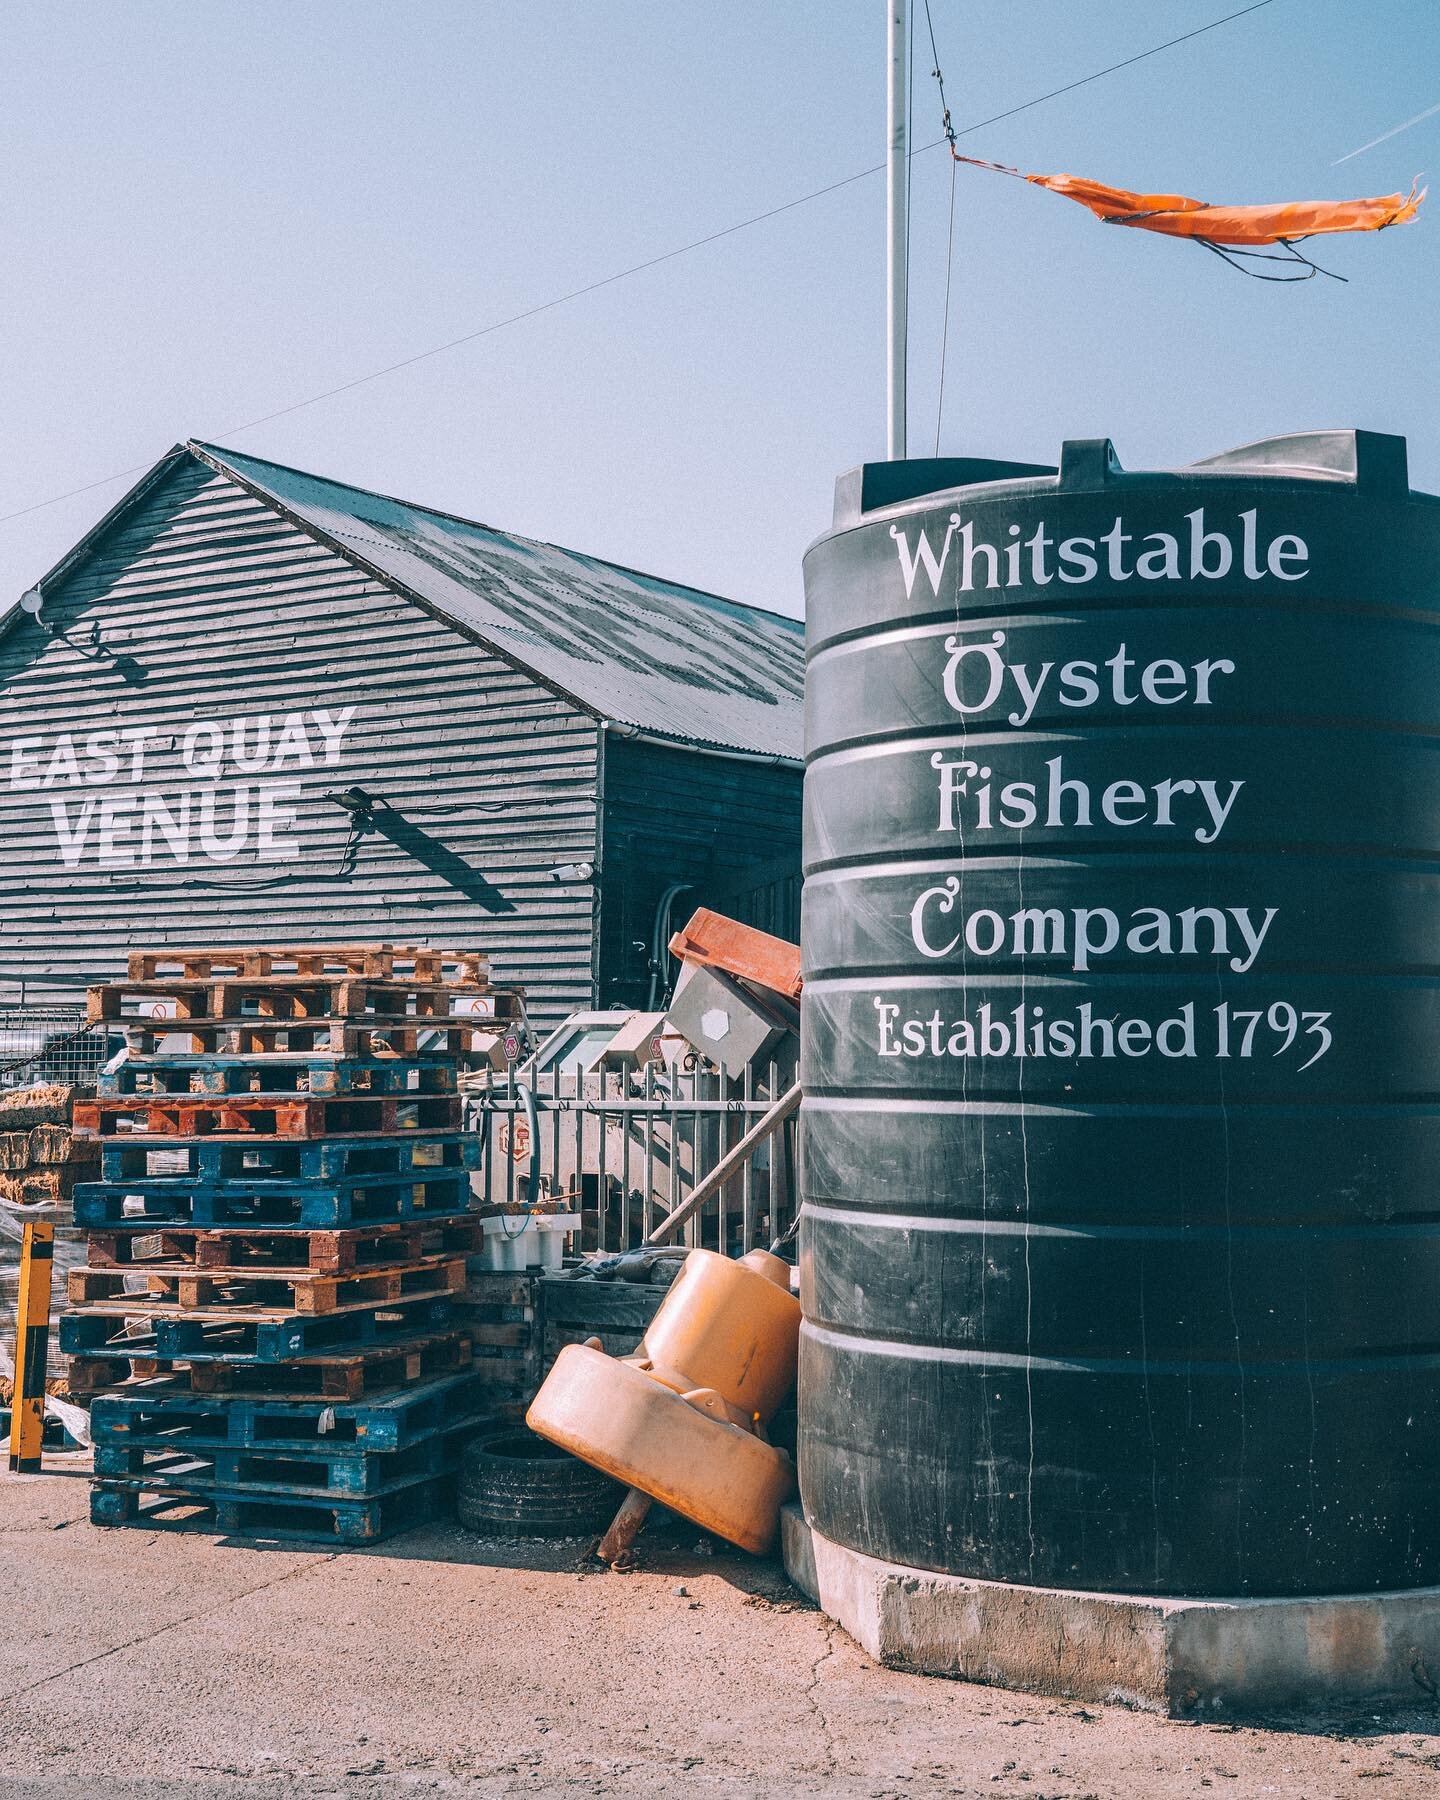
[[350, 1250], [385, 960], [266, 1115], [181, 1290], [716, 942]]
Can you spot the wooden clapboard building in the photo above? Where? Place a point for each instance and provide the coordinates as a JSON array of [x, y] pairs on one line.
[[258, 706]]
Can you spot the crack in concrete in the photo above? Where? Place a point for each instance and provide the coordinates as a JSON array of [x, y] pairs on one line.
[[829, 1627], [146, 1637]]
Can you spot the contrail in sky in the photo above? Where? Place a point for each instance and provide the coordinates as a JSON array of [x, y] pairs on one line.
[[1429, 113]]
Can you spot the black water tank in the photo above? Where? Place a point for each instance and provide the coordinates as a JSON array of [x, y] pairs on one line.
[[1121, 1252]]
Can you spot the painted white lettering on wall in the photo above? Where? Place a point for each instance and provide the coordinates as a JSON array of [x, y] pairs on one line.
[[232, 797]]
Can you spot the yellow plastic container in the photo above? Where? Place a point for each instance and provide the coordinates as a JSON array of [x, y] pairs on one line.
[[731, 1326], [680, 1419]]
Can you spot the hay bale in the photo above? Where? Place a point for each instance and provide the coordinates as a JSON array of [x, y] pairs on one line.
[[32, 1187], [51, 1144], [47, 1103]]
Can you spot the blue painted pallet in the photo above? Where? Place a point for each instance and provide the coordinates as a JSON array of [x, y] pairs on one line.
[[275, 1340], [304, 1472], [279, 1073], [256, 1160], [282, 1205], [163, 1412], [235, 1513]]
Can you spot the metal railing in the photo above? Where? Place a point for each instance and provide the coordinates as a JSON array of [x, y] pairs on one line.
[[622, 1147], [625, 1148]]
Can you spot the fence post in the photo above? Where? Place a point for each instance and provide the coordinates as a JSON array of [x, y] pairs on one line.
[[32, 1333]]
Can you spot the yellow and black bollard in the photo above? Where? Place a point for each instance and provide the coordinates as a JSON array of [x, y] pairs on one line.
[[32, 1332]]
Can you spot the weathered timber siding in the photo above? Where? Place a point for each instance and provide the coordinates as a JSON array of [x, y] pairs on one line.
[[712, 821], [768, 897], [216, 609]]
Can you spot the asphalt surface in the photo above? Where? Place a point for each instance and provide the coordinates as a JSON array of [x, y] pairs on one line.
[[136, 1662]]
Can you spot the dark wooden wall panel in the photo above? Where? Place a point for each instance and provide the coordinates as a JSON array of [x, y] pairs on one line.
[[729, 827]]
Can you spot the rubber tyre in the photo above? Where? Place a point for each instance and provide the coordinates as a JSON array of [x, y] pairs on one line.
[[514, 1484]]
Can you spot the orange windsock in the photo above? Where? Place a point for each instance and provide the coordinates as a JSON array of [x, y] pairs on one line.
[[1179, 216]]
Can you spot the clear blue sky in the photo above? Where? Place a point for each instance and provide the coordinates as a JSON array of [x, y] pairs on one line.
[[216, 209]]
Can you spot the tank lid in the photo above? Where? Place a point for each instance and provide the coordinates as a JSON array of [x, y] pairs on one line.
[[1374, 462], [874, 485]]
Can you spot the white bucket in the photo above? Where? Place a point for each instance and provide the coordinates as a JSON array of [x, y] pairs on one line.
[[508, 1242], [553, 1232], [513, 1242]]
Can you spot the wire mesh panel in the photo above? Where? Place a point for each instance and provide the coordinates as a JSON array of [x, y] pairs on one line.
[[50, 1044], [40, 1046]]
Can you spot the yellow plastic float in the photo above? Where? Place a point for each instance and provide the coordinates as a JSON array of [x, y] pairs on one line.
[[682, 1420]]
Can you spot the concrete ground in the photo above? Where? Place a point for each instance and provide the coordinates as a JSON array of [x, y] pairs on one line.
[[138, 1662]]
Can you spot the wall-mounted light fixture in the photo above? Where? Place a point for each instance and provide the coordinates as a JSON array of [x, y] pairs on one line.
[[360, 805], [577, 871], [31, 601]]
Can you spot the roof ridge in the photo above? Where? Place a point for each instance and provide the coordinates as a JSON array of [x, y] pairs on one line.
[[439, 512], [671, 661]]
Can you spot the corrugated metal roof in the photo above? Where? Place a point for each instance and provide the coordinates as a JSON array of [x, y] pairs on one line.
[[626, 646]]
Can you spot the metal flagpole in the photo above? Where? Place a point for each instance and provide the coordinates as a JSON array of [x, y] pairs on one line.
[[897, 214]]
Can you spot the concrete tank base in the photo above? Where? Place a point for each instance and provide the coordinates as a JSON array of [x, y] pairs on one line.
[[1180, 1657]]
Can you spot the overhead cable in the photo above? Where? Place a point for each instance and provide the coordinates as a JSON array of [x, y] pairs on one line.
[[653, 262]]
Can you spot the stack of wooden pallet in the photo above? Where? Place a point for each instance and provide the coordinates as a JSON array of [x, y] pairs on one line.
[[267, 1315]]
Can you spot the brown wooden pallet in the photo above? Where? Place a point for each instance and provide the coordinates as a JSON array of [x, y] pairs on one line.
[[349, 1250], [214, 1297], [180, 1290], [283, 996], [107, 1374], [507, 1374], [499, 1337], [333, 1037], [354, 1376], [420, 962], [502, 1287], [266, 1115]]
